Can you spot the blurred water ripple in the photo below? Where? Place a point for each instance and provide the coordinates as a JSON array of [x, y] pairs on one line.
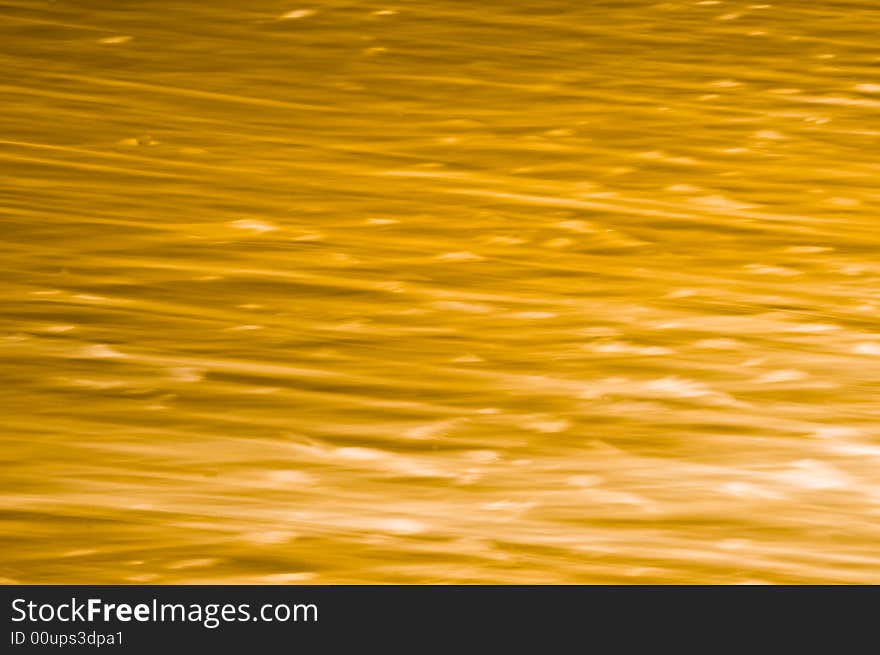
[[526, 292]]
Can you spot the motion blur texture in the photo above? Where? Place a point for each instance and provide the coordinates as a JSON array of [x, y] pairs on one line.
[[502, 291]]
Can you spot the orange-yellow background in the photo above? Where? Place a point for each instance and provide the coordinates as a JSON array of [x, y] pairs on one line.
[[440, 291]]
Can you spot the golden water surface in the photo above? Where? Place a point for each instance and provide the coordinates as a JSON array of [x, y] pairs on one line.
[[538, 291]]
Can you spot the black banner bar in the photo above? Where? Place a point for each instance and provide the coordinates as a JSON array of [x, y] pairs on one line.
[[136, 619]]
